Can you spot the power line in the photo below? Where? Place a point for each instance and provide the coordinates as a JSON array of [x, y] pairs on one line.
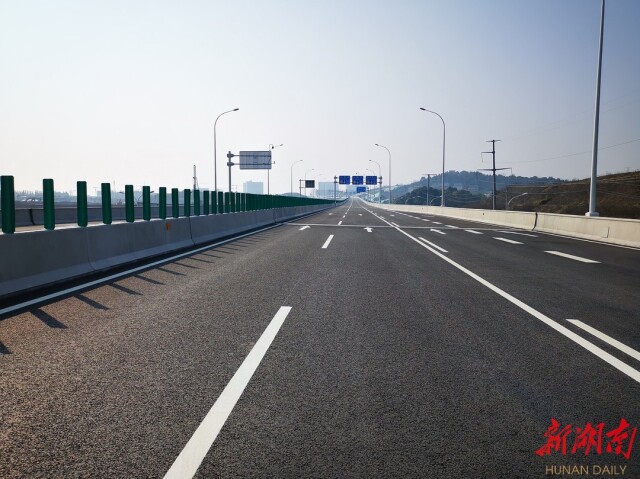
[[579, 153]]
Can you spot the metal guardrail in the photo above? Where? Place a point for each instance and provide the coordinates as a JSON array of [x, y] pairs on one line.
[[203, 202]]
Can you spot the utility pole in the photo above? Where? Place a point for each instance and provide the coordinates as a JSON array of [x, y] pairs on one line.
[[494, 169]]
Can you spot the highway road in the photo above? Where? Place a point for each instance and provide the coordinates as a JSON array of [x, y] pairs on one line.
[[356, 342]]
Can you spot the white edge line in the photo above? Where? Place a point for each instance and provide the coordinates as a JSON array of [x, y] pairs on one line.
[[191, 456], [326, 243], [42, 299], [607, 339], [570, 256], [434, 245], [592, 348]]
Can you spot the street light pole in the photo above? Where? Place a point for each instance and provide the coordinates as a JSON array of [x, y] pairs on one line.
[[596, 122], [215, 150], [271, 147], [444, 137], [291, 185], [389, 180], [380, 187]]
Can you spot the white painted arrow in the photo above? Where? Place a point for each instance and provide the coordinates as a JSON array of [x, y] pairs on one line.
[[304, 227], [368, 229]]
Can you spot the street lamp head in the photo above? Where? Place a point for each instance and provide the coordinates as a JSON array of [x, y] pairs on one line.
[[423, 109], [235, 109]]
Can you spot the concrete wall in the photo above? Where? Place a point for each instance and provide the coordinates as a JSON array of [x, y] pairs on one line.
[[619, 231], [29, 260]]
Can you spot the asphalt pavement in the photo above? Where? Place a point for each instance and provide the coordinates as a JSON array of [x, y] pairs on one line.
[[356, 342]]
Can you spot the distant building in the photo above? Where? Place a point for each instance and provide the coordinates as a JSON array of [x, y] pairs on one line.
[[254, 187]]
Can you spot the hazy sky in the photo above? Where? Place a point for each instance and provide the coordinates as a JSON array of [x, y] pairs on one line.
[[128, 91]]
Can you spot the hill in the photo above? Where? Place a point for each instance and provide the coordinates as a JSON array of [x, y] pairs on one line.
[[618, 196]]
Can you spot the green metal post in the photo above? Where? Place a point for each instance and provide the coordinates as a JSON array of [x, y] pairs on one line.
[[105, 189], [187, 202], [205, 201], [226, 203], [48, 204], [175, 203], [146, 203], [196, 202], [162, 202], [220, 202], [8, 205], [129, 211], [214, 203], [234, 203], [81, 205]]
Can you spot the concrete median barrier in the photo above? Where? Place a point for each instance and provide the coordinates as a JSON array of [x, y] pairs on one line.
[[210, 228], [121, 243], [38, 258], [33, 259]]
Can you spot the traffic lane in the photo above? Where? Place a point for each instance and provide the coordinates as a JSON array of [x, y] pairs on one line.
[[330, 216], [383, 369], [624, 257], [115, 380], [602, 295], [353, 216]]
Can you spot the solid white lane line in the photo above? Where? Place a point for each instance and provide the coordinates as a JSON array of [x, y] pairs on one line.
[[507, 240], [434, 245], [438, 231], [188, 461], [304, 227], [607, 339], [474, 232], [570, 256], [326, 243], [339, 222], [394, 224], [592, 348]]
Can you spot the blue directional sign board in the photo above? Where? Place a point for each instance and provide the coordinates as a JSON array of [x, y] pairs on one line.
[[361, 189], [357, 180], [372, 180], [344, 180]]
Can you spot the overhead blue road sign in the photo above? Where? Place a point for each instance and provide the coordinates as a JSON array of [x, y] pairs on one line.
[[357, 180], [344, 180], [361, 189], [372, 180]]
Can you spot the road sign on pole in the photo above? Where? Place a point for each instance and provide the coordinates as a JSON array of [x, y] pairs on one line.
[[255, 160], [371, 180], [357, 180], [344, 180]]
